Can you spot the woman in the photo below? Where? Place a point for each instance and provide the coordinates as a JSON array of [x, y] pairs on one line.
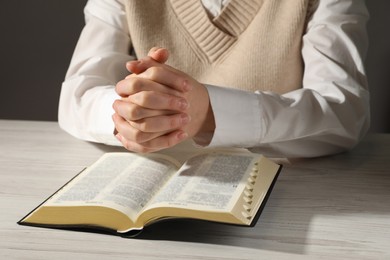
[[284, 78]]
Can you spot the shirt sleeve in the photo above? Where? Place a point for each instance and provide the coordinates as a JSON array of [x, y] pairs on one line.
[[98, 63], [329, 114]]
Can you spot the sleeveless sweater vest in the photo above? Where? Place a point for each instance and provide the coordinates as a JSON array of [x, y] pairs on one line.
[[252, 45]]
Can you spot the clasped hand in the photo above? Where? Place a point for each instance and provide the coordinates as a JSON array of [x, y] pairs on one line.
[[160, 106]]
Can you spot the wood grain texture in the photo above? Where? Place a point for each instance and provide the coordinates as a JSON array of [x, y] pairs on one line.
[[335, 207]]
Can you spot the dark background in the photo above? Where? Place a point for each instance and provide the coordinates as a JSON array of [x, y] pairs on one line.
[[39, 36]]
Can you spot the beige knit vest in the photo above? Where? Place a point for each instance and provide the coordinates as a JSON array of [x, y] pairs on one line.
[[251, 45]]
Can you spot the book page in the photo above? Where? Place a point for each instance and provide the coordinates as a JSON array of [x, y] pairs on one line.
[[207, 182], [124, 181]]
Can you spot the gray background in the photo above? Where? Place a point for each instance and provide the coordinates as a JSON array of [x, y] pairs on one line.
[[38, 38]]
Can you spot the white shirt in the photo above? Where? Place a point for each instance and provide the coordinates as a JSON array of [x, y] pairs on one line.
[[328, 115]]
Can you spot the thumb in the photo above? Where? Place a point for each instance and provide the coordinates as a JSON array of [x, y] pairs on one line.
[[159, 54], [155, 57]]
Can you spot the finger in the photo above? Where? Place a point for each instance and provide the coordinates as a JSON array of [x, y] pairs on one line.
[[134, 84], [155, 56], [160, 124], [160, 55], [159, 143], [156, 100], [131, 112], [139, 66], [165, 75], [130, 133], [161, 73]]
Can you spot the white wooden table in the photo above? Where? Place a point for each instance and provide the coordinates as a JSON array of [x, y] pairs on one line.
[[335, 207]]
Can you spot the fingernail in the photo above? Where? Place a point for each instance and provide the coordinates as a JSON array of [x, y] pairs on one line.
[[185, 119], [183, 104], [182, 135], [119, 137], [133, 62], [186, 86]]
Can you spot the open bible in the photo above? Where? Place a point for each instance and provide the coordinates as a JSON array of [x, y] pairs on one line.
[[125, 192]]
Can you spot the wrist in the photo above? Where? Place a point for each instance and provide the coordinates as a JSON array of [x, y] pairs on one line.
[[207, 126]]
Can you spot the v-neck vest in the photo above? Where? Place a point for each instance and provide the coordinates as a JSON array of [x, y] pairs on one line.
[[252, 45]]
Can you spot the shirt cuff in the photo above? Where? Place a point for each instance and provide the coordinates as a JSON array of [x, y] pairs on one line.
[[104, 125], [237, 117]]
